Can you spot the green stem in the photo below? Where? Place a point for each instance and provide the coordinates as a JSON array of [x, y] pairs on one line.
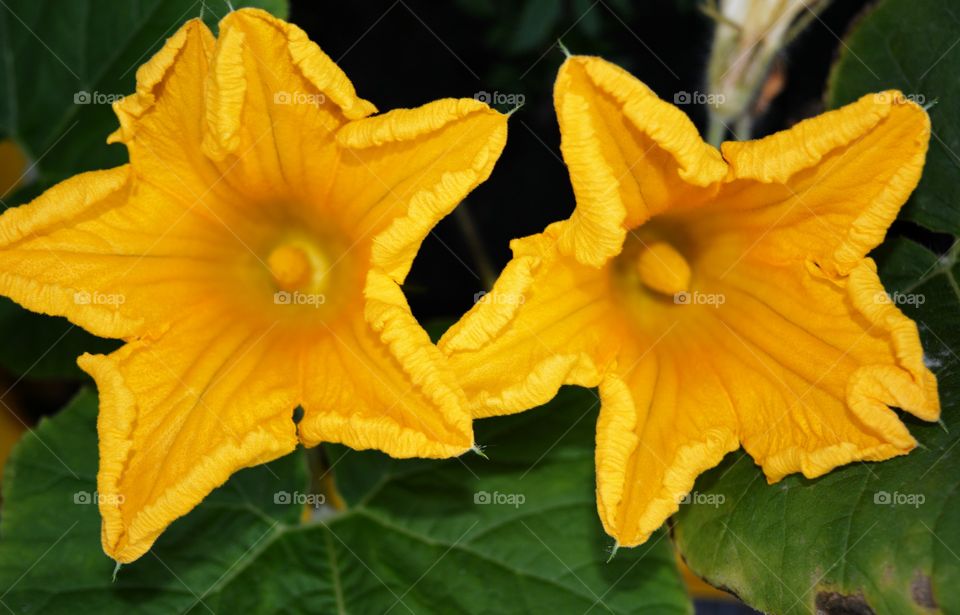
[[475, 245], [744, 129], [716, 129]]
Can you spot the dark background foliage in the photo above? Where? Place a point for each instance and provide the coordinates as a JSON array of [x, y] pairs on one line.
[[405, 53]]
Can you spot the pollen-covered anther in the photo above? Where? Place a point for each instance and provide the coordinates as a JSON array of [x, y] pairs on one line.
[[298, 264], [663, 269], [290, 267]]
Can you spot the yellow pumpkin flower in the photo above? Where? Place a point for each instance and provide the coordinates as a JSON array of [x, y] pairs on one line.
[[716, 298], [250, 255]]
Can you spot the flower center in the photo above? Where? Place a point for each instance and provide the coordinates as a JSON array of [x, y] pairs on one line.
[[297, 266], [662, 269]]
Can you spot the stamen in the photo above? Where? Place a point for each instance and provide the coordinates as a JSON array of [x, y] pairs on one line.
[[663, 269], [290, 267]]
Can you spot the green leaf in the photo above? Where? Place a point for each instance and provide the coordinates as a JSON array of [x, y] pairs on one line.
[[868, 537], [63, 62], [44, 347], [591, 21], [537, 20], [416, 536], [912, 46], [50, 555], [538, 544]]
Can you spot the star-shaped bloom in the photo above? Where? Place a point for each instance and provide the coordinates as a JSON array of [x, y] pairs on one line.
[[250, 255], [716, 298]]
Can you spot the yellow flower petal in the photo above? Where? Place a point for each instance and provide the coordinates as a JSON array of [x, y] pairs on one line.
[[401, 172], [654, 436], [118, 260], [831, 356], [833, 183], [801, 371], [382, 384], [546, 323], [274, 92], [630, 156], [29, 270], [158, 123], [180, 414]]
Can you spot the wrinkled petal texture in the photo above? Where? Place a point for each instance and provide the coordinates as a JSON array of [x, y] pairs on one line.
[[629, 154], [796, 353], [240, 145], [546, 322]]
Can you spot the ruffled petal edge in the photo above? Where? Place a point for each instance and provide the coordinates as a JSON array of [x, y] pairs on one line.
[[387, 312], [776, 158], [71, 198], [873, 389], [481, 324], [395, 247], [115, 423], [227, 82], [597, 228], [616, 442], [150, 77], [486, 319]]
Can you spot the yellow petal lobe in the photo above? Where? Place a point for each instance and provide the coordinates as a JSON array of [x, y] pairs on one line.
[[402, 171], [630, 156]]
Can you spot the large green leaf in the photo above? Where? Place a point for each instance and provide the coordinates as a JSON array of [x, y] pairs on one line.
[[912, 46], [63, 62], [544, 554], [50, 555], [866, 538], [515, 534]]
